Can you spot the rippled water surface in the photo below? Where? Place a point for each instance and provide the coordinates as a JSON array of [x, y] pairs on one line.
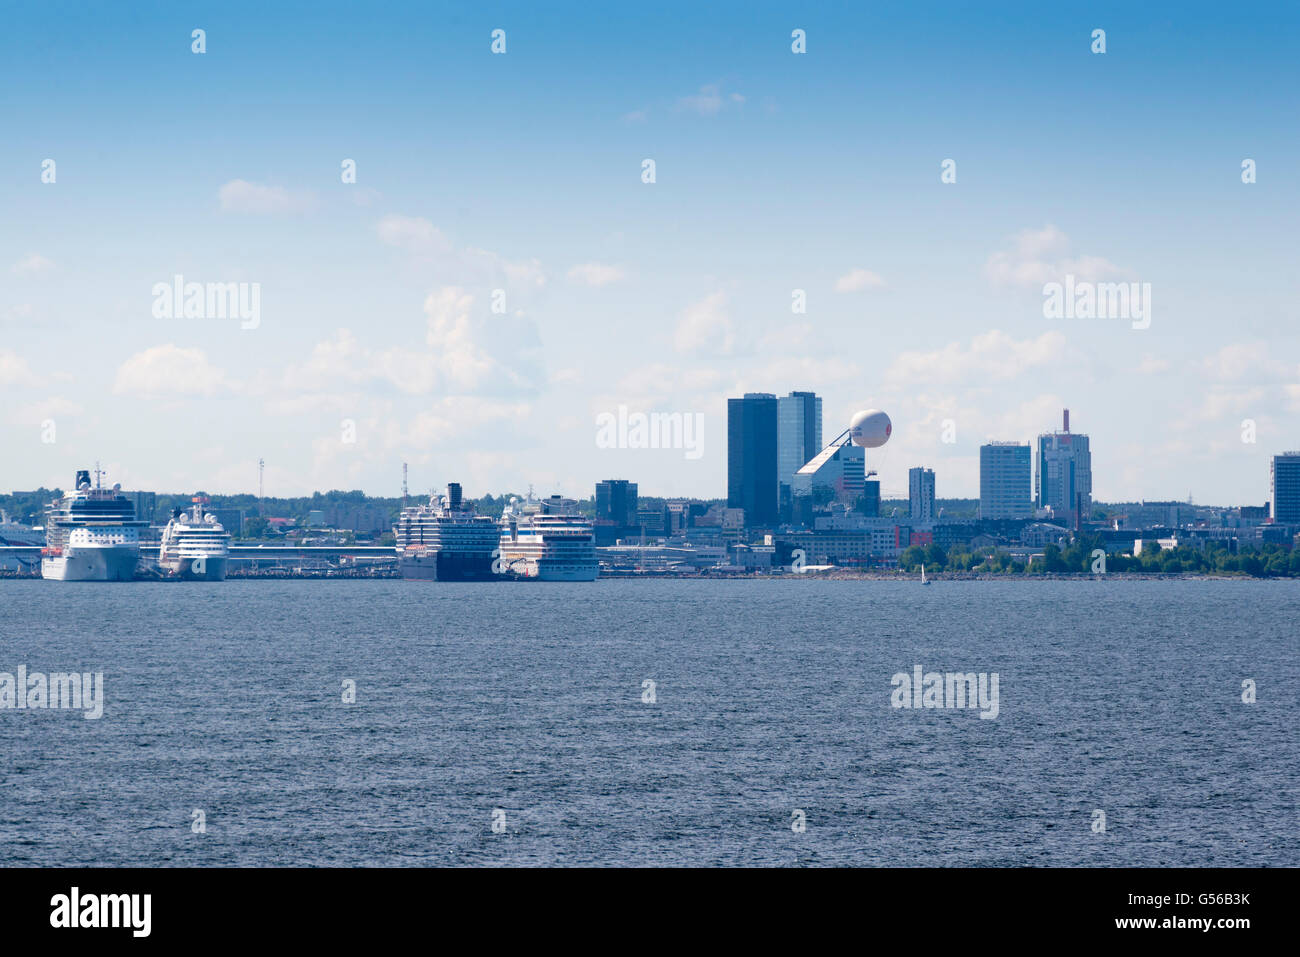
[[771, 697]]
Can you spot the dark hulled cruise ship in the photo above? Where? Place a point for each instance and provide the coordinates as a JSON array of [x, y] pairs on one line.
[[446, 541]]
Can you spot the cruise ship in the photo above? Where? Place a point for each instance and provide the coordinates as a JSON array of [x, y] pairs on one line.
[[548, 540], [16, 533], [446, 541], [195, 546], [91, 534]]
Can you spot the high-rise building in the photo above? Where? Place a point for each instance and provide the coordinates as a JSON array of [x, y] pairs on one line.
[[145, 504], [751, 457], [654, 521], [232, 520], [1286, 488], [920, 494], [1065, 474], [798, 434], [871, 498], [836, 474], [1006, 480], [616, 502]]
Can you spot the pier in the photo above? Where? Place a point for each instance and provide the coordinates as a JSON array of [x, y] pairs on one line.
[[246, 561]]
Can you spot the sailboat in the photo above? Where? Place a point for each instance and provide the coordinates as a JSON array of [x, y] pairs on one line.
[[923, 581]]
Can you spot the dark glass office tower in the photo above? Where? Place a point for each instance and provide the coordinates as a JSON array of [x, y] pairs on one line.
[[1286, 488], [751, 457], [616, 501]]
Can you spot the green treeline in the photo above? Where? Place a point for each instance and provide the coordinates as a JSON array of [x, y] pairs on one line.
[[1268, 561]]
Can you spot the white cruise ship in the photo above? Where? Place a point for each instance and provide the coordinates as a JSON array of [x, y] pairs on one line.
[[195, 546], [548, 540], [91, 535]]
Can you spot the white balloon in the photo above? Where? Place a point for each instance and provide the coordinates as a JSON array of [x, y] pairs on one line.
[[870, 429]]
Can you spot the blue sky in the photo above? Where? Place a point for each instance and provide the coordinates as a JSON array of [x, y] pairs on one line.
[[521, 172]]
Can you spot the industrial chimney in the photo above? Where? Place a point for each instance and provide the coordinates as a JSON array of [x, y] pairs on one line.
[[1067, 420]]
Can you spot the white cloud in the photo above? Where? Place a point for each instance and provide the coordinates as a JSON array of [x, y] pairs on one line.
[[858, 279], [34, 413], [1150, 365], [169, 371], [1219, 401], [709, 101], [17, 313], [596, 274], [364, 195], [14, 370], [241, 196], [665, 385], [468, 351], [1242, 360], [470, 266], [705, 329], [477, 351], [793, 369], [414, 234], [990, 355], [32, 265], [457, 416], [1038, 256], [332, 365], [526, 272]]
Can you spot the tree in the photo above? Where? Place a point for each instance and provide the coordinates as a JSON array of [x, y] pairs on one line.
[[911, 558], [1052, 561]]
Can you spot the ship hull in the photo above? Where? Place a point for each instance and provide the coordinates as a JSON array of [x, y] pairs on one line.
[[445, 567], [209, 569], [544, 571], [90, 564]]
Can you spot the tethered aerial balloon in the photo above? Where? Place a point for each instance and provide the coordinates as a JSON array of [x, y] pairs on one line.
[[870, 428]]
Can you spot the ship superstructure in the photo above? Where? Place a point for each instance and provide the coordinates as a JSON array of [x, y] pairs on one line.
[[548, 540], [194, 546]]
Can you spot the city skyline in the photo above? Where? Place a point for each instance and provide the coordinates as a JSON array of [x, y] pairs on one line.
[[991, 469], [376, 322]]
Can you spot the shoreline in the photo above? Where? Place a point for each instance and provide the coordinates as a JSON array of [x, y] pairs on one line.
[[845, 575]]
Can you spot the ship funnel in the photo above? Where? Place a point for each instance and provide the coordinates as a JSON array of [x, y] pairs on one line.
[[453, 495], [83, 478]]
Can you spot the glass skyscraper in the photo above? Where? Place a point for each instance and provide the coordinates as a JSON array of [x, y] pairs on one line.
[[616, 501], [1286, 488], [752, 458], [798, 436]]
